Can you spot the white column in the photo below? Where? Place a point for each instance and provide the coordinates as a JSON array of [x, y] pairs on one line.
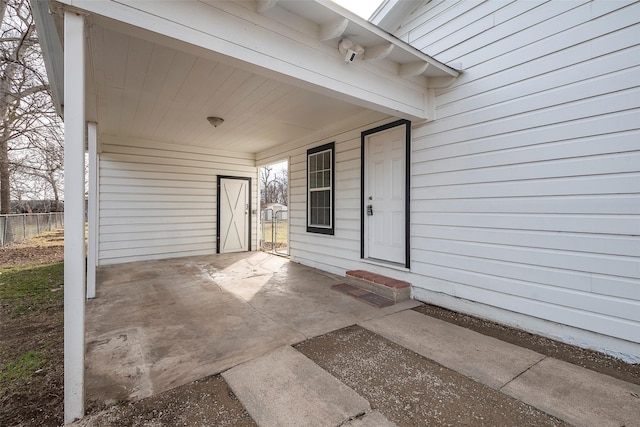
[[74, 251], [92, 214]]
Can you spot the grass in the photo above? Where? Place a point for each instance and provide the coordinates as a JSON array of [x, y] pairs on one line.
[[28, 291], [22, 368], [27, 288], [49, 238], [54, 237], [281, 231], [31, 331]]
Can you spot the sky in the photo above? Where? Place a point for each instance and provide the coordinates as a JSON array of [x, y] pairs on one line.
[[364, 8]]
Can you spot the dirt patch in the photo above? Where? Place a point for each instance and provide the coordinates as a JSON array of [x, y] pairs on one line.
[[206, 402], [579, 356], [39, 401], [31, 349], [31, 327], [406, 387], [412, 390], [31, 255], [48, 248]]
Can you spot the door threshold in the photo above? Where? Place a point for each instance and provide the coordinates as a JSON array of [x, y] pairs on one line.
[[274, 253], [387, 264]]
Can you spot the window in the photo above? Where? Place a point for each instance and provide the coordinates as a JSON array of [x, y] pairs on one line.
[[320, 189]]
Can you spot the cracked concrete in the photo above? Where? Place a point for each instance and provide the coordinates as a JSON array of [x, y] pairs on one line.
[[155, 325], [158, 325]]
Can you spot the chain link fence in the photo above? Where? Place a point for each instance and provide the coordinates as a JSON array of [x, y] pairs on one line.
[[275, 231], [16, 228]]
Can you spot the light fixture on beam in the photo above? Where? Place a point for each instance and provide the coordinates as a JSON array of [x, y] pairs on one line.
[[350, 50], [215, 121]]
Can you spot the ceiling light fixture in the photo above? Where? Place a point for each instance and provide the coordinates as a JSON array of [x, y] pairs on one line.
[[215, 121]]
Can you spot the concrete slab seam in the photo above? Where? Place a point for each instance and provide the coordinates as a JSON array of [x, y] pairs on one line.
[[374, 317], [355, 417], [274, 321], [522, 373]]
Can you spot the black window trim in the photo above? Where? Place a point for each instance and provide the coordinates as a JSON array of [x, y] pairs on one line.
[[323, 230]]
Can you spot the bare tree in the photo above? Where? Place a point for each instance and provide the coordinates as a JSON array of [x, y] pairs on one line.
[[266, 185], [274, 186], [37, 166], [282, 187], [30, 129]]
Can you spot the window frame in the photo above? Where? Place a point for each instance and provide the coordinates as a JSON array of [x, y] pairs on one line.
[[316, 228]]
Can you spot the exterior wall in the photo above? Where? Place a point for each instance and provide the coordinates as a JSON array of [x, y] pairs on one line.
[[159, 201], [341, 251], [525, 196], [526, 189]]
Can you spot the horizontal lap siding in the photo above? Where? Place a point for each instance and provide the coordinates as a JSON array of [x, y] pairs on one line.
[[333, 251], [526, 189], [159, 201], [341, 251]]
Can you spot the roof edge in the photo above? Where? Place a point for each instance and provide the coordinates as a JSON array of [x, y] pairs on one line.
[[387, 37], [51, 45]]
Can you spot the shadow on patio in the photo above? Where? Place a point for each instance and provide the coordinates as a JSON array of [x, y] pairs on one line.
[[155, 325]]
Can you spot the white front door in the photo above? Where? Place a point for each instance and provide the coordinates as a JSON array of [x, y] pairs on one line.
[[385, 195], [234, 215]]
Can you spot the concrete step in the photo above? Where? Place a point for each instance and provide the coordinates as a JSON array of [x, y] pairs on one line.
[[363, 295], [285, 388], [388, 287]]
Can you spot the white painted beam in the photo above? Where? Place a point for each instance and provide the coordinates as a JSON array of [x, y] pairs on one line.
[[380, 51], [412, 69], [333, 30], [253, 42], [74, 258], [92, 214]]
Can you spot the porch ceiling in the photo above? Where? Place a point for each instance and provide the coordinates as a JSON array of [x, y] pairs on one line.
[[274, 70], [149, 87]]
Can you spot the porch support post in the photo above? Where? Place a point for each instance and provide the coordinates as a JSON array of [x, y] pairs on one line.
[[74, 251], [92, 214]]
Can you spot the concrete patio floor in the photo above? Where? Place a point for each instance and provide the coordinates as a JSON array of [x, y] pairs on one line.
[[155, 325], [160, 324]]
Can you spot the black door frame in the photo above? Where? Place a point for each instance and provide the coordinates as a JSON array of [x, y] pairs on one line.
[[407, 211], [221, 177]]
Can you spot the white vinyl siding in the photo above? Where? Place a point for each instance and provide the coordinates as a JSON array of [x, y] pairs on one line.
[[526, 188], [159, 201], [336, 250], [341, 251]]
